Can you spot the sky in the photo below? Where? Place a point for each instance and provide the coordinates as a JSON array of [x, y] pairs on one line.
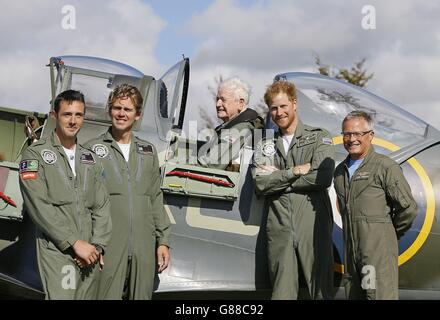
[[254, 40]]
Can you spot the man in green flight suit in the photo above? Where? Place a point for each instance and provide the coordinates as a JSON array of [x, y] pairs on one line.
[[293, 170], [64, 194], [141, 226], [377, 208], [222, 151]]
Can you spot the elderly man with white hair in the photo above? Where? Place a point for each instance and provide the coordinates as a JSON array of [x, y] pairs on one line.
[[222, 151]]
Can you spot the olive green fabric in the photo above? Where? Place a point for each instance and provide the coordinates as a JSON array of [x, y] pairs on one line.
[[65, 209], [140, 222], [300, 221], [228, 140], [377, 208]]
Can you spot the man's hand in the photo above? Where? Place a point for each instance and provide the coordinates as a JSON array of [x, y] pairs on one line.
[[86, 252], [80, 262], [301, 169], [163, 258], [101, 262]]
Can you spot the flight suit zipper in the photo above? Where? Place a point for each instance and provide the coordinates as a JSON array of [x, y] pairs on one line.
[[350, 217], [75, 186], [130, 208]]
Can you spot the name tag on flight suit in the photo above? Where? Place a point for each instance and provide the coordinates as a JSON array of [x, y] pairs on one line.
[[144, 148], [362, 176], [87, 158], [306, 140]]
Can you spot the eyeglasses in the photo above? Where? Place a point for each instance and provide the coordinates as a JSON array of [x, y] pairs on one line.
[[359, 134]]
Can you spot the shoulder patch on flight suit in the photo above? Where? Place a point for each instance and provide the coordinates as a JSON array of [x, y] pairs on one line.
[[327, 141], [362, 176], [28, 166], [48, 156], [308, 139], [268, 148], [29, 175], [100, 149], [144, 148], [87, 158]]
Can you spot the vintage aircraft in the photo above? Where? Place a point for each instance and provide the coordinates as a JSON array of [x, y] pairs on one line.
[[218, 238]]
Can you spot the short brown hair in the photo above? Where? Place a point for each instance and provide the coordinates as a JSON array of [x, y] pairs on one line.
[[68, 96], [280, 87], [125, 91]]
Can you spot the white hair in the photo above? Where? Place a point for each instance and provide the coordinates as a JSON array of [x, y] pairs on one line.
[[239, 88], [356, 114]]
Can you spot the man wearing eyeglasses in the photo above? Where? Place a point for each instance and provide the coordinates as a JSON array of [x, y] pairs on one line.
[[141, 227], [377, 208]]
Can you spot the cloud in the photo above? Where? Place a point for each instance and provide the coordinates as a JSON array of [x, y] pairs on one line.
[[268, 37], [121, 30]]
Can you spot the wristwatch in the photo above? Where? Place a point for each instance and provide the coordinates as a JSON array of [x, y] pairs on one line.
[[100, 249]]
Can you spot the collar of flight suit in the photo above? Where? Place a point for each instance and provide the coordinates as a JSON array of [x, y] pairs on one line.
[[246, 115], [133, 162], [299, 132], [108, 137], [56, 143], [80, 149], [370, 155]]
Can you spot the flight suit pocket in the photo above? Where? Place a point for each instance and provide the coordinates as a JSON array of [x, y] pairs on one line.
[[89, 187], [146, 215], [395, 193], [144, 174], [59, 194], [59, 185]]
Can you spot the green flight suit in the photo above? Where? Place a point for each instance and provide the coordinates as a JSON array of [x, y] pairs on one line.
[[377, 208], [140, 222], [65, 208], [225, 145], [300, 221]]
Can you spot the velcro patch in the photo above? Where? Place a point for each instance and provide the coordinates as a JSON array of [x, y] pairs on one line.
[[327, 141], [87, 158], [101, 150], [362, 176], [29, 175], [48, 156], [308, 139], [269, 149], [28, 166], [144, 148]]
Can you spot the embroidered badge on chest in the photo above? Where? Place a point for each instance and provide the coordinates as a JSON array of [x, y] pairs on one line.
[[101, 150], [308, 139], [48, 156], [87, 158], [144, 148], [268, 149]]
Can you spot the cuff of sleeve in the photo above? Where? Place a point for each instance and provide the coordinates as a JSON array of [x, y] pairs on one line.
[[68, 242], [163, 242], [289, 174]]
